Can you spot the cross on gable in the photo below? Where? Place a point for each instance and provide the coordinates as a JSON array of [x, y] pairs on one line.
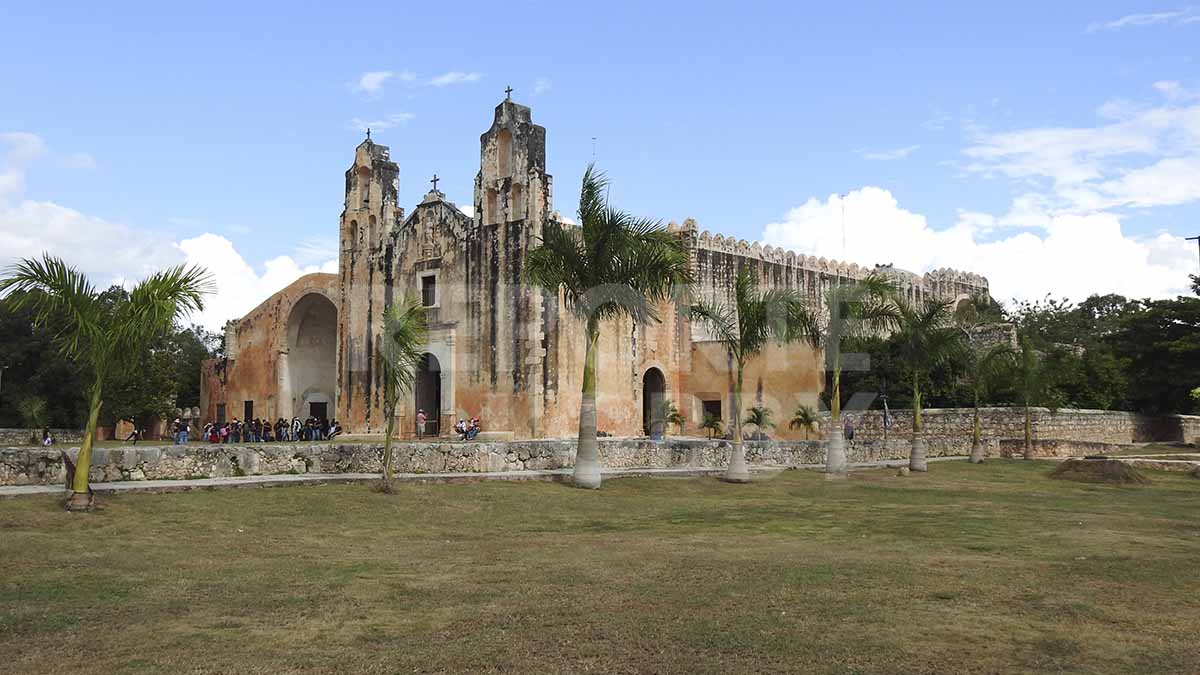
[[434, 180], [508, 93]]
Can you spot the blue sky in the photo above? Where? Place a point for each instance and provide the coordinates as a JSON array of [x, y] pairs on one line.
[[1006, 140]]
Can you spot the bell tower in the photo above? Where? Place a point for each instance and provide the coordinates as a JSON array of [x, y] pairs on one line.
[[512, 184], [512, 201], [370, 216]]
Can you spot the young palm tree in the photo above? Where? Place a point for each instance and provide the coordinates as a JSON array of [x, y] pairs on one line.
[[804, 418], [981, 367], [669, 415], [927, 338], [33, 413], [1033, 386], [760, 417], [856, 309], [102, 336], [711, 424], [612, 266], [404, 334], [744, 327]]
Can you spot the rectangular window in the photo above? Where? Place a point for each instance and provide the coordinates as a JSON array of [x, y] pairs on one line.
[[429, 290], [712, 408], [220, 413], [249, 410]]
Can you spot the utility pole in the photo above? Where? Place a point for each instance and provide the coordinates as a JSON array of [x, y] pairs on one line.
[[1195, 239], [843, 201]]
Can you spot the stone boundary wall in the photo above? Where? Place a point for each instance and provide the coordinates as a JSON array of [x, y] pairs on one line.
[[1092, 426], [18, 436], [38, 466]]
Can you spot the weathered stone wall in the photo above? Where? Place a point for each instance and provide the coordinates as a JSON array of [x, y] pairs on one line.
[[22, 436], [1093, 426]]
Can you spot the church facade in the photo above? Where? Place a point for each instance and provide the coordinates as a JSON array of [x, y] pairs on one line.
[[500, 348]]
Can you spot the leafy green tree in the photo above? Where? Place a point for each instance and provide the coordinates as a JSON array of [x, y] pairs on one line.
[[612, 266], [189, 347], [401, 350], [804, 418], [35, 367], [744, 327], [760, 417], [982, 367], [712, 424], [927, 338], [1159, 349], [101, 336]]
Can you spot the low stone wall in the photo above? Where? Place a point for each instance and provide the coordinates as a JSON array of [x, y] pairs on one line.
[[1092, 426], [22, 436], [38, 466]]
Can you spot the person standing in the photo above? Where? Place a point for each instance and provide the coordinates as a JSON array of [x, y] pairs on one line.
[[421, 423]]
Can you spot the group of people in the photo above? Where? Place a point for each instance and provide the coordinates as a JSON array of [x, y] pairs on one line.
[[263, 431], [467, 430]]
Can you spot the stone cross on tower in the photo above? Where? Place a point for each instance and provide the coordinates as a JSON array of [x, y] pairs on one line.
[[508, 93], [434, 180], [368, 133]]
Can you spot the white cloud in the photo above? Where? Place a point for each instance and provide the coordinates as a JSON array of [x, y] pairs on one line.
[[468, 211], [1176, 17], [371, 82], [117, 253], [541, 86], [888, 155], [382, 123], [1144, 156], [239, 287], [1076, 256], [455, 77]]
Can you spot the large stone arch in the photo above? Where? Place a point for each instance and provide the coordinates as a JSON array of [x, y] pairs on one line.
[[308, 364]]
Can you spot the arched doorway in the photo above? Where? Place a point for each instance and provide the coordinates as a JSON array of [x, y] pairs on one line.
[[654, 391], [427, 392], [310, 367]]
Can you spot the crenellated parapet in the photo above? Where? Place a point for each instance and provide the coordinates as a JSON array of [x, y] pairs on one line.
[[716, 258]]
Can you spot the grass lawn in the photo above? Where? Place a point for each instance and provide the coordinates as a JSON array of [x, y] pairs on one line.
[[971, 569]]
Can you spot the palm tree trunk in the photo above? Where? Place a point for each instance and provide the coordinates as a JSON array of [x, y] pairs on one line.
[[587, 456], [737, 471], [81, 493], [835, 396], [976, 436], [387, 443], [916, 455]]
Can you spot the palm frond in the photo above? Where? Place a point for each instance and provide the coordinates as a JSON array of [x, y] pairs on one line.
[[402, 347], [52, 288]]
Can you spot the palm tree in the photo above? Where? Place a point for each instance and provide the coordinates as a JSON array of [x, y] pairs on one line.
[[712, 424], [103, 336], [927, 339], [804, 418], [981, 367], [612, 266], [669, 415], [33, 413], [400, 353], [760, 417], [851, 310], [744, 327], [1033, 386]]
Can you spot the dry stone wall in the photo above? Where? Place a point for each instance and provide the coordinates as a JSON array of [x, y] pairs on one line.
[[22, 436]]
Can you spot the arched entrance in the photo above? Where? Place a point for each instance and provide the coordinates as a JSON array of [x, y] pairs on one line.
[[427, 392], [309, 369], [654, 391]]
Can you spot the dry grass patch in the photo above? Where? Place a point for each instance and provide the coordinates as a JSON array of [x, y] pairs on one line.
[[969, 569]]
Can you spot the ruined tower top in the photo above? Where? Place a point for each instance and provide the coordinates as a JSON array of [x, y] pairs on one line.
[[512, 183], [372, 190]]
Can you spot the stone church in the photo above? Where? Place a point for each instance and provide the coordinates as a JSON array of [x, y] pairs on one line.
[[498, 347]]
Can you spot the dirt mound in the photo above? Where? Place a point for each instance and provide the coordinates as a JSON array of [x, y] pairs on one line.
[[1099, 471]]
